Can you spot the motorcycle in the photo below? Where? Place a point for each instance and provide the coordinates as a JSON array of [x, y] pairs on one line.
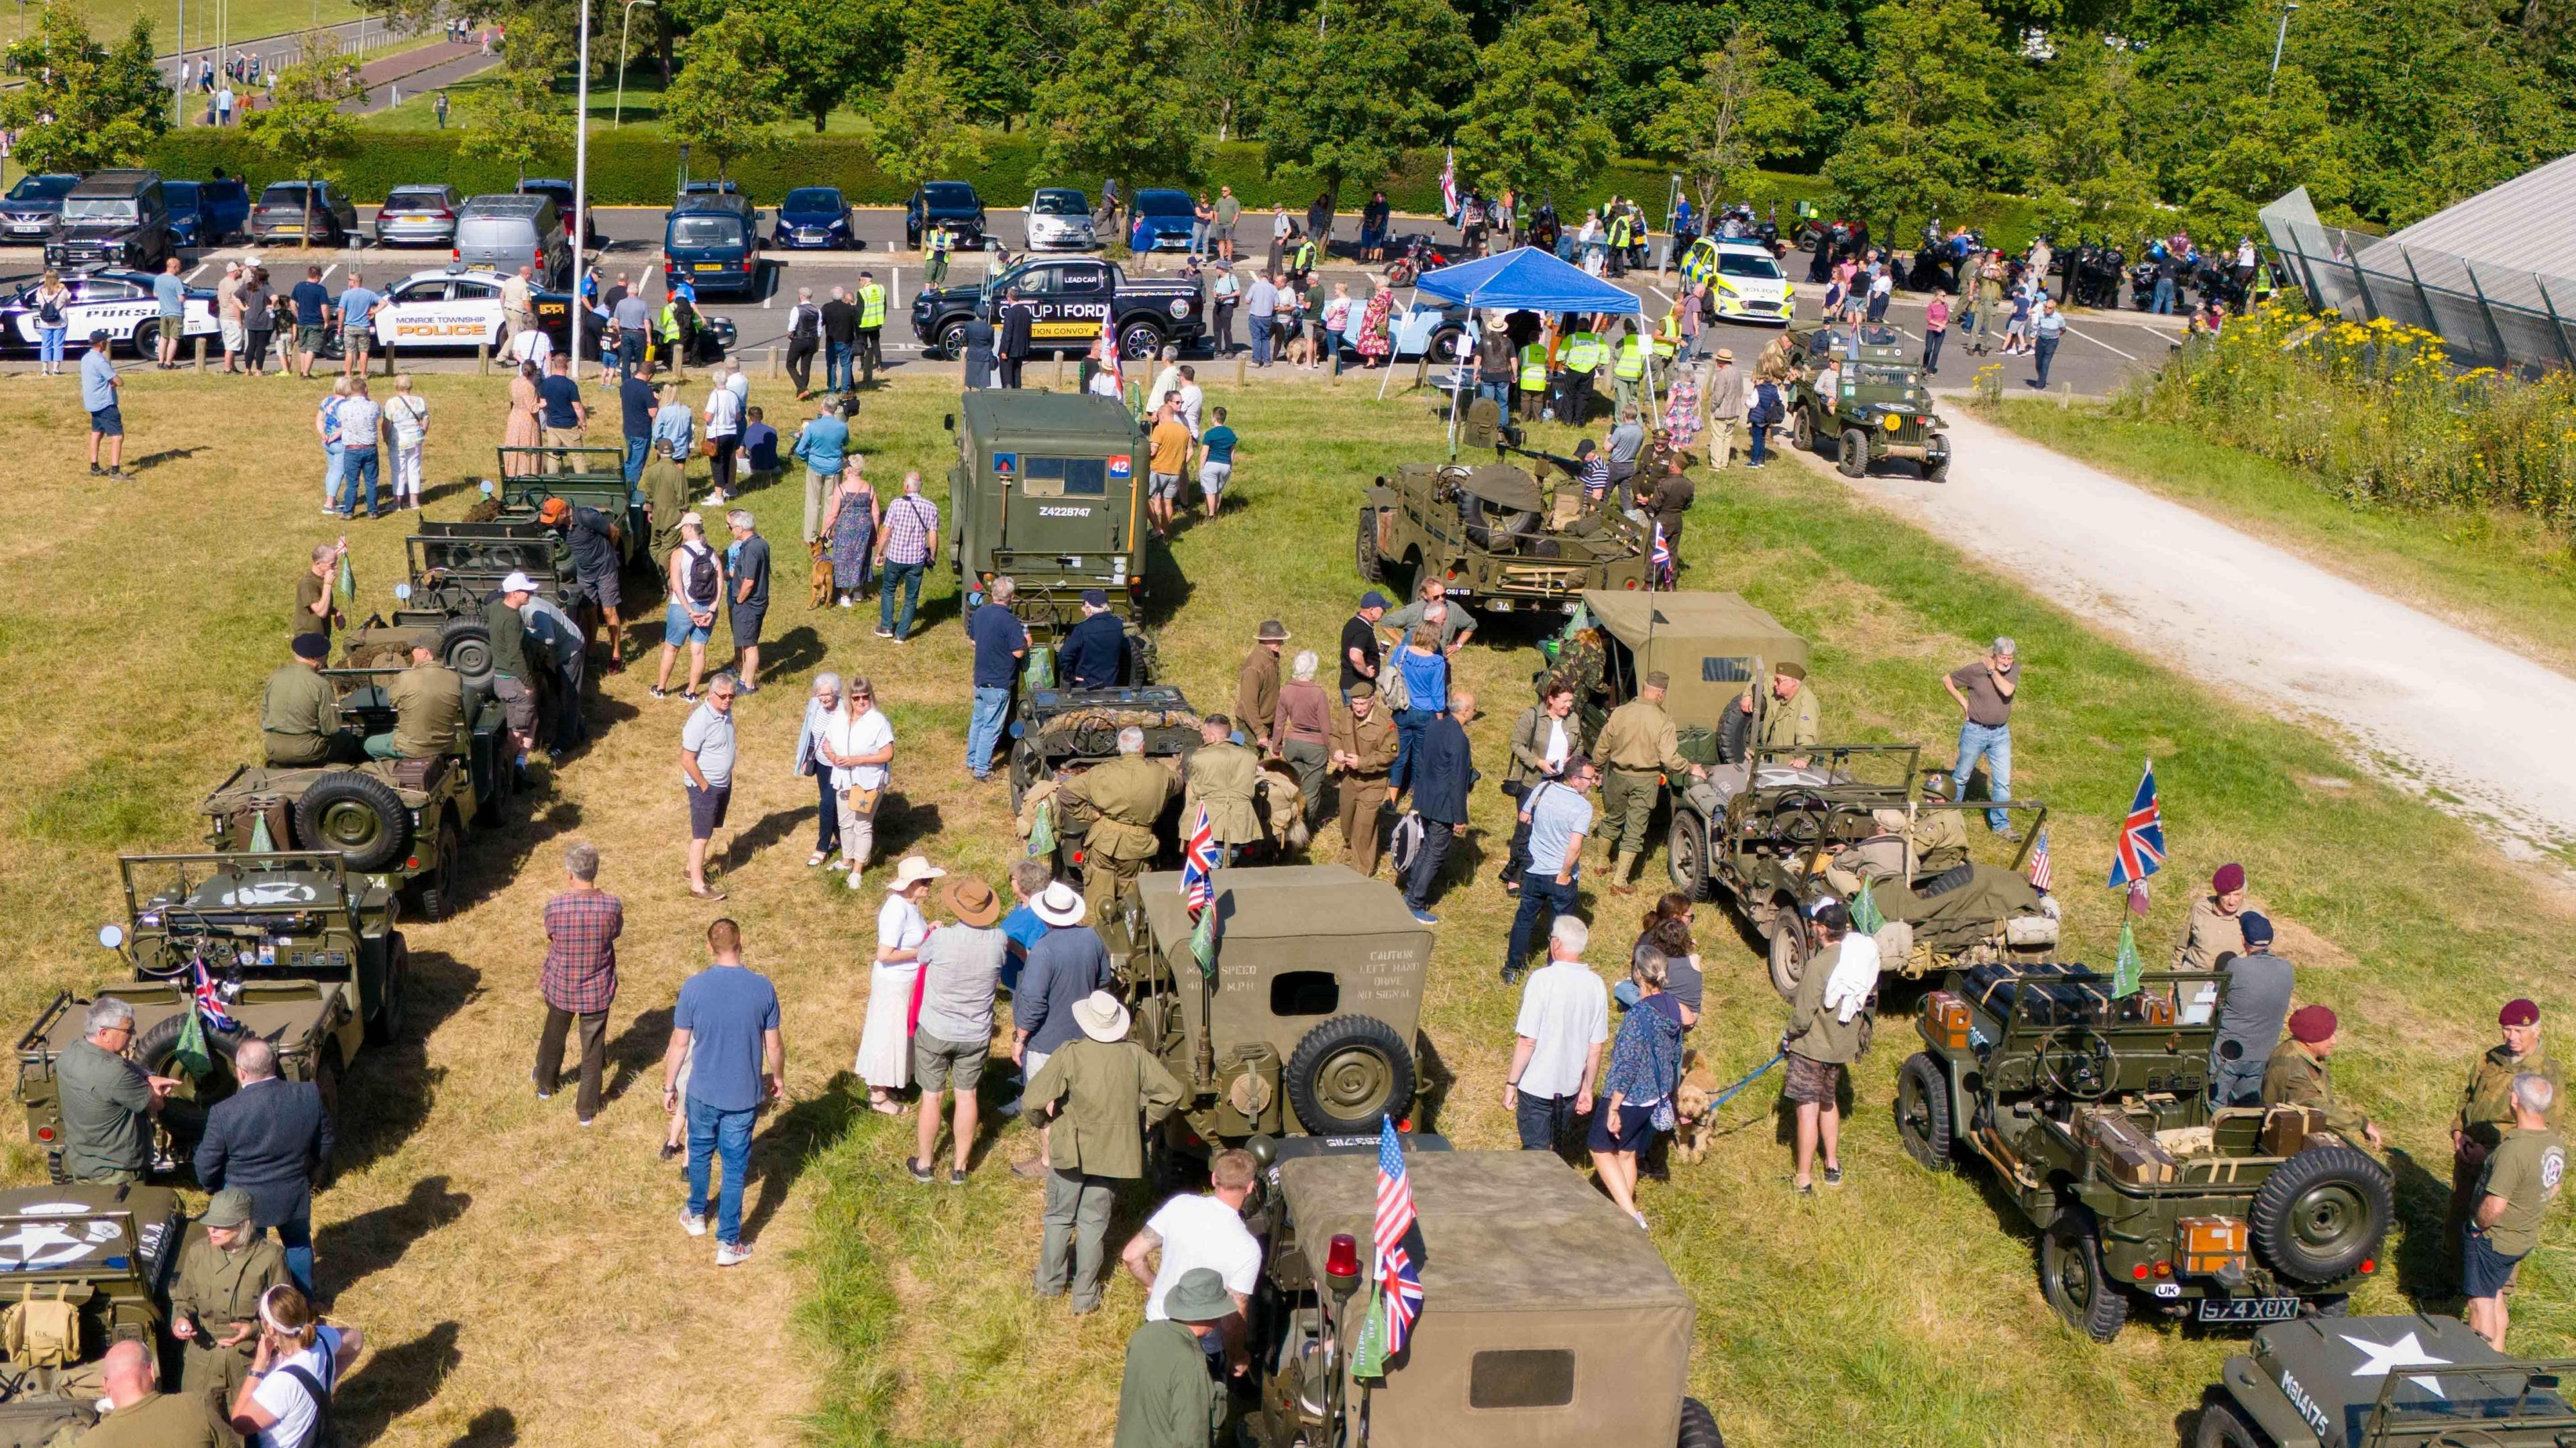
[[1420, 255]]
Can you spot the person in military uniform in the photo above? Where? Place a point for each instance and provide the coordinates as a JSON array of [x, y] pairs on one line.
[[1938, 837], [1256, 684], [1126, 798], [134, 1414], [1584, 664], [108, 1102], [214, 1300], [2486, 1102], [299, 711], [2299, 1076], [1361, 753], [665, 485], [429, 710], [2214, 929], [1792, 720], [1167, 1398], [1638, 747], [1222, 777]]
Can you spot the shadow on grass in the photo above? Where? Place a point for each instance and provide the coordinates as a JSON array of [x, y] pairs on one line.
[[781, 1153], [392, 1089], [166, 455], [352, 1250], [394, 1381], [491, 1428], [2426, 1270], [766, 831], [793, 652], [901, 824], [644, 1041]]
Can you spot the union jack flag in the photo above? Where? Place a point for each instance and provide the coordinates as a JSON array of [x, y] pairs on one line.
[[2039, 870], [1198, 865], [1662, 559], [1395, 1221], [1403, 1289], [2141, 849], [210, 1004]]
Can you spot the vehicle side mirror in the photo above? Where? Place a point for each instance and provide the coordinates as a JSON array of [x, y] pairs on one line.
[[111, 937], [402, 592]]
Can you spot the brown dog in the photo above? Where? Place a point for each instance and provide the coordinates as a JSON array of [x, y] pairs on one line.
[[822, 581], [1693, 1117]]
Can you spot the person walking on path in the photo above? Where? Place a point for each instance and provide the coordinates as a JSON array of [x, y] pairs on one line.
[[1823, 1039], [960, 964], [1001, 645], [1098, 1094], [706, 764], [99, 393], [1637, 1089], [2250, 1016], [1936, 328], [1555, 815], [726, 1058], [2047, 330], [2486, 1114], [272, 1138], [905, 546], [2521, 1179], [1556, 1050], [579, 978], [885, 1039], [1166, 1396], [1984, 691], [857, 744], [1442, 777]]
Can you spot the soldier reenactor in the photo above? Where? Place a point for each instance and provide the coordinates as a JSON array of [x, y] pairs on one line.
[[2298, 1075], [1126, 796], [1637, 747], [299, 711], [2215, 929], [429, 710], [214, 1300], [1792, 720], [2486, 1102], [1223, 776], [1361, 753], [1256, 684]]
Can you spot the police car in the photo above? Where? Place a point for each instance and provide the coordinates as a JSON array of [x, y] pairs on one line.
[[1744, 279], [108, 300], [442, 308]]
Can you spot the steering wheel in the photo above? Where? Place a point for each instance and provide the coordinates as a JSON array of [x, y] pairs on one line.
[[198, 952], [2077, 1062], [1095, 734], [1799, 817]]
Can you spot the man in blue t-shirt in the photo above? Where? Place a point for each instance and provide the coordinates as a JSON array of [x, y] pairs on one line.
[[1001, 641], [759, 444], [106, 419], [636, 405], [312, 316], [1216, 464], [726, 1058], [357, 315], [560, 409], [170, 310]]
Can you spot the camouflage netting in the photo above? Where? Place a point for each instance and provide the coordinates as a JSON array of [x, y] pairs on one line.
[[1064, 726]]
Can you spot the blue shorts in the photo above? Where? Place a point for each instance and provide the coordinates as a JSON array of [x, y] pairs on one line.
[[107, 421], [677, 629], [2484, 1271], [1630, 1128]]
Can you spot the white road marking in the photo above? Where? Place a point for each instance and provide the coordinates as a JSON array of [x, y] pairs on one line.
[[326, 271], [200, 271], [2098, 342]]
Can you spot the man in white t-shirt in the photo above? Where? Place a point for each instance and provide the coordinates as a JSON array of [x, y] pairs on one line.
[[531, 345], [1565, 1016], [1208, 1231]]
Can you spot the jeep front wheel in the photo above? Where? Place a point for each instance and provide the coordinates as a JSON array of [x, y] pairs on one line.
[[1855, 453], [1347, 1073], [1802, 432], [1686, 853], [2072, 1279], [1788, 951], [1923, 1112], [1699, 1426], [1372, 568], [2222, 1426]]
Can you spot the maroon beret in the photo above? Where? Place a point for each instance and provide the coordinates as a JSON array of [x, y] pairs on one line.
[[2311, 1024], [2518, 1013], [2229, 877]]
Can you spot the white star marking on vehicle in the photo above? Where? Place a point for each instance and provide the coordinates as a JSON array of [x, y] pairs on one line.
[[2406, 1352], [42, 1244]]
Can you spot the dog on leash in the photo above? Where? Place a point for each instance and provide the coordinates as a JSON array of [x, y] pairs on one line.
[[1694, 1117], [822, 580]]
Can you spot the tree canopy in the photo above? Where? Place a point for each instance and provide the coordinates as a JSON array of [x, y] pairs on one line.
[[1111, 108], [81, 105], [1378, 78], [719, 103], [1532, 122]]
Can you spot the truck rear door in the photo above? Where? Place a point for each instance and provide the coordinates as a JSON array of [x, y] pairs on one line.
[[1059, 507]]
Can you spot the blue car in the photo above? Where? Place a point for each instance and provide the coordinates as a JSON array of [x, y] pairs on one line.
[[1163, 218], [815, 216]]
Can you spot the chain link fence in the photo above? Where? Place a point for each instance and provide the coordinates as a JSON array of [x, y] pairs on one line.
[[2486, 315]]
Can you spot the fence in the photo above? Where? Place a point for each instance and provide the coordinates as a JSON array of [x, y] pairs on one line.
[[2485, 314]]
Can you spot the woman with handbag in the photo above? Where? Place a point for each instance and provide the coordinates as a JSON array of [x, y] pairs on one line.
[[858, 743], [1547, 734], [1637, 1091]]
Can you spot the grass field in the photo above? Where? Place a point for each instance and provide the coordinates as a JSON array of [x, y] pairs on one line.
[[2502, 574], [523, 1277], [242, 20]]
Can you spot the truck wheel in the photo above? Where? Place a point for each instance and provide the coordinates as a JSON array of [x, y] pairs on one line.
[[357, 814], [952, 339], [438, 888], [2321, 1213], [1699, 1426], [394, 1012], [1802, 433], [326, 1076], [1347, 1073], [1788, 952], [153, 1049], [2222, 1426], [1138, 341], [465, 645], [1923, 1112], [1686, 853], [1372, 568], [1855, 453], [2072, 1279]]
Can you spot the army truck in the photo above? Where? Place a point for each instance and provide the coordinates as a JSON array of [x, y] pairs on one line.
[[298, 951], [2385, 1382], [90, 1267], [1493, 536], [1047, 489], [2093, 1110], [1879, 408], [1304, 1022], [1548, 1322]]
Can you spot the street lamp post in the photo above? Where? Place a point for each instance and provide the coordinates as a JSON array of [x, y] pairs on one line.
[[581, 191], [624, 33], [2278, 42]]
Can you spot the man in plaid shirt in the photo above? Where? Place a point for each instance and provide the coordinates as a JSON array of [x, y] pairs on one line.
[[580, 976], [904, 549]]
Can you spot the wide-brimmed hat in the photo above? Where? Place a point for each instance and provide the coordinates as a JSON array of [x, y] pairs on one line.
[[1498, 321], [973, 901], [1271, 631], [1725, 354], [1199, 1296], [1061, 904], [1101, 1017], [227, 1208], [913, 871]]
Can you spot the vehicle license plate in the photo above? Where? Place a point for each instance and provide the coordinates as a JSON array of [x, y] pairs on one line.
[[709, 266], [2248, 1309]]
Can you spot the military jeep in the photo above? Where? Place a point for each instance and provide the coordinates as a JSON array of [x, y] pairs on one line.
[[107, 1254], [299, 951], [1045, 490], [586, 477], [2093, 1111], [1490, 533], [1057, 734], [455, 569], [1303, 1022], [1548, 1320], [2385, 1382], [1879, 411]]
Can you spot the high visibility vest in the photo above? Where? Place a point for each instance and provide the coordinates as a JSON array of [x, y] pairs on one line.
[[1583, 352], [1534, 368], [1668, 334], [1621, 233], [670, 323], [938, 239], [1305, 255], [1631, 363], [1697, 265], [872, 305]]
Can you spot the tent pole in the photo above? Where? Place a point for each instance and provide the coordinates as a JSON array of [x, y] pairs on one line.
[[1409, 303]]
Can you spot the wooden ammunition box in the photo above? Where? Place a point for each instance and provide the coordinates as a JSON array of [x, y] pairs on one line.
[[2134, 1157], [2287, 1128]]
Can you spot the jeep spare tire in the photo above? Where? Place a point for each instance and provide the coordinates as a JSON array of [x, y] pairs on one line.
[[2322, 1213], [357, 814], [465, 645], [154, 1048], [1347, 1073]]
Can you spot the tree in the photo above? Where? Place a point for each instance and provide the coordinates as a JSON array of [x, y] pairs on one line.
[[991, 51], [302, 125], [718, 102], [83, 106], [1224, 35], [1111, 107], [1345, 104], [2077, 150], [813, 55], [1532, 122], [920, 133], [513, 118], [1726, 121], [2269, 145], [1928, 119]]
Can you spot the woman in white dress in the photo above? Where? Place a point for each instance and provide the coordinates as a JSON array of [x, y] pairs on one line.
[[885, 1042], [857, 741]]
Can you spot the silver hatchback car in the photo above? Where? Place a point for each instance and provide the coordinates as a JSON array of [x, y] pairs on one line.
[[418, 216]]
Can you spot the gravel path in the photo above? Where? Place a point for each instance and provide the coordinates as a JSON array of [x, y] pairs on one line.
[[2427, 706]]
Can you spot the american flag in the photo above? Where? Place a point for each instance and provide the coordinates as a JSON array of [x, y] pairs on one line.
[[1395, 1221], [2039, 871], [1198, 865], [2141, 850], [210, 1005]]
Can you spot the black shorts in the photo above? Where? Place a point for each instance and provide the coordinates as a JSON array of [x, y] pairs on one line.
[[707, 809], [603, 591], [1629, 1128], [746, 624], [2484, 1271]]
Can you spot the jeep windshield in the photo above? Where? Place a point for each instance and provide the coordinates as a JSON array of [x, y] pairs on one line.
[[2480, 1398], [108, 209], [1881, 374], [709, 231]]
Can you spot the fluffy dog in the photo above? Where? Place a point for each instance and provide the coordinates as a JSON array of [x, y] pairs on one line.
[[1693, 1116], [821, 584]]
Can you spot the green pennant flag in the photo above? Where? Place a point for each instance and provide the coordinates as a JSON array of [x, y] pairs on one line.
[[1042, 829], [2124, 976], [1865, 916], [1368, 1359], [348, 580], [261, 842], [1203, 942], [1040, 674], [190, 1055]]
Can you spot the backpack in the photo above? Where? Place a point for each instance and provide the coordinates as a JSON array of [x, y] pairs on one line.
[[41, 1332], [1404, 842], [49, 312], [702, 574]]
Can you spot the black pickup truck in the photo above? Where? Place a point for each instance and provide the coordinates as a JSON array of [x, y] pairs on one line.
[[1068, 297]]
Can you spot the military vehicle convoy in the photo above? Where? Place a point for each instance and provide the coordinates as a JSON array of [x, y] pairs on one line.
[[2385, 1382], [1047, 489], [1489, 532], [1550, 1322], [91, 1267], [1878, 408], [2093, 1111]]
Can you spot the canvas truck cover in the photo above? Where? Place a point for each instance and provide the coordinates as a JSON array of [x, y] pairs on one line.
[[1287, 920], [1051, 491], [1527, 1272], [1712, 644]]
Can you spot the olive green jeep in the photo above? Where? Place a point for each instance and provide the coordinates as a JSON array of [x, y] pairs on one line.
[[2385, 1382], [88, 1267], [1492, 535], [1878, 408]]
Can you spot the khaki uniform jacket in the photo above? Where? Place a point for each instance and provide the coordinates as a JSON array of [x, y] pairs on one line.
[[1256, 692], [2296, 1078], [1167, 1399], [1371, 741], [1816, 1033], [2210, 935], [158, 1420], [1127, 794], [106, 1105], [1223, 777], [1529, 743], [2486, 1102], [1112, 1093], [666, 493], [1639, 736], [1793, 723], [299, 711], [429, 710], [1940, 840], [220, 1291]]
